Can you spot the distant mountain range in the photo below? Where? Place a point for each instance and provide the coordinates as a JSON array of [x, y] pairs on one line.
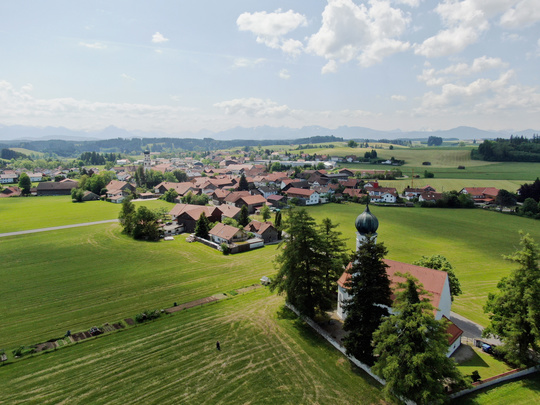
[[21, 133]]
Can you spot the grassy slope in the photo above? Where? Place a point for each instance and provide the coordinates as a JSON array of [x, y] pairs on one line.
[[472, 240], [20, 214], [520, 392], [73, 278], [267, 357]]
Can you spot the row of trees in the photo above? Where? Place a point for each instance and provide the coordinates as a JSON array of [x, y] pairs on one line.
[[148, 179], [94, 158], [516, 149], [451, 199]]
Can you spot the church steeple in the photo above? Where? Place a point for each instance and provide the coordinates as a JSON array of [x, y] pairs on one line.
[[366, 223]]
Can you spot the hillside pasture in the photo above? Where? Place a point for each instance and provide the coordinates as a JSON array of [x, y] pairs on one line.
[[267, 357], [23, 213], [74, 278], [442, 185]]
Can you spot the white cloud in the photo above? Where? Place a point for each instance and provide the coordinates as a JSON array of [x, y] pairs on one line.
[[398, 97], [253, 107], [410, 3], [95, 45], [506, 36], [466, 20], [352, 31], [523, 14], [158, 38], [127, 77], [247, 62], [17, 105], [330, 67], [284, 74], [271, 28]]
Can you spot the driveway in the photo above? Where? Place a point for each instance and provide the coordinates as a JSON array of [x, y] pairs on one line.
[[470, 329], [54, 228]]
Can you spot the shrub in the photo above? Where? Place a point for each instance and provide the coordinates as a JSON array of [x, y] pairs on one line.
[[461, 167], [426, 163], [225, 248], [147, 315]]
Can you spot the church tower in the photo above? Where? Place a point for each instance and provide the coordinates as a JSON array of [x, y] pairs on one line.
[[147, 160], [366, 223]]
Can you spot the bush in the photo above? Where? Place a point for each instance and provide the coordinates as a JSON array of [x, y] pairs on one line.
[[147, 315], [461, 167], [426, 163], [225, 248], [475, 376]]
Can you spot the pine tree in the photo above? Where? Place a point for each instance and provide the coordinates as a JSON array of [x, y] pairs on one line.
[[278, 224], [411, 347], [369, 288], [299, 274], [333, 253], [243, 184], [202, 227], [514, 311], [243, 217]]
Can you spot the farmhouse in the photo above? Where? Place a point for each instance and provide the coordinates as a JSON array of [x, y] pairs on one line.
[[263, 230], [188, 214], [53, 188], [306, 197], [222, 233], [436, 282], [485, 195]]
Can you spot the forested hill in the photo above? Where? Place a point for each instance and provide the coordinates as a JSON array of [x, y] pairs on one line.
[[515, 149], [137, 145]]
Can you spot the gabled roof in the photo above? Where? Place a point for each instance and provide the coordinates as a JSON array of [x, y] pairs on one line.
[[432, 280], [300, 191], [51, 185], [235, 195], [253, 199], [193, 211], [226, 232], [259, 227], [229, 211]]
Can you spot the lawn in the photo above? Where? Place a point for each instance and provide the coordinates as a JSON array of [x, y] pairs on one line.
[[520, 392], [486, 365], [472, 240], [267, 357], [19, 214], [73, 278]]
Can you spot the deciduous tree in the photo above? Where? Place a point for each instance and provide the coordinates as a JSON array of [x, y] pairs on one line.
[[265, 212], [439, 262], [514, 311], [127, 216], [25, 184]]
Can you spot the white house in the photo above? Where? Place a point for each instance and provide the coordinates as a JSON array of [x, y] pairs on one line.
[[310, 197], [436, 282]]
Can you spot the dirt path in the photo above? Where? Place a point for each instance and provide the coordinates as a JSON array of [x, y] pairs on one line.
[[55, 228]]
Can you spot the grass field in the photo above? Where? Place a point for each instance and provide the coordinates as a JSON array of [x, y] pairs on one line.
[[74, 278], [521, 392], [267, 357], [19, 214], [486, 365], [442, 185]]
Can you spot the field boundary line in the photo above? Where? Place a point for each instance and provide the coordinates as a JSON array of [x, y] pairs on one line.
[[55, 228]]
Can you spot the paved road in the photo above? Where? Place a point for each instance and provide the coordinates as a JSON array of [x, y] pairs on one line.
[[471, 329], [54, 228]]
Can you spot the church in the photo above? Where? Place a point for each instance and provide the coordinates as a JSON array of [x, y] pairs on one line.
[[436, 282]]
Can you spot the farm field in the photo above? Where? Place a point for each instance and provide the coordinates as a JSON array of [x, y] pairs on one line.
[[20, 214], [472, 240], [442, 185], [74, 278], [267, 357]]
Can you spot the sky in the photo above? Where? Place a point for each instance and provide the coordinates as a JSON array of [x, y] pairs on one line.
[[172, 66]]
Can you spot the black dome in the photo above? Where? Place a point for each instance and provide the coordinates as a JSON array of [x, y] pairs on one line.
[[366, 222]]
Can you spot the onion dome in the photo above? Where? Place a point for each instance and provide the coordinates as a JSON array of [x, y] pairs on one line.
[[366, 222]]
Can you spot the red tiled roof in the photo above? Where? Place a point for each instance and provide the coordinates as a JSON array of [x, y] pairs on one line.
[[300, 191], [453, 330], [432, 280], [253, 199], [223, 231]]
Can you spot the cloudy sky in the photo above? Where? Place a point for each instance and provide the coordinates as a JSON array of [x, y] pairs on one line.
[[174, 66]]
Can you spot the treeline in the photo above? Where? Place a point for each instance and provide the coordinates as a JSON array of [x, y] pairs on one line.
[[515, 149], [137, 145], [9, 154], [93, 158]]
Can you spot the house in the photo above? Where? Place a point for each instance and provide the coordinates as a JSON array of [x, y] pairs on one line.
[[253, 202], [430, 197], [306, 197], [55, 188], [35, 177], [222, 233], [484, 195], [381, 194], [229, 211], [181, 188], [435, 282], [219, 195], [263, 230], [233, 197], [7, 178], [188, 215], [267, 191], [411, 193], [89, 196], [277, 201], [117, 190]]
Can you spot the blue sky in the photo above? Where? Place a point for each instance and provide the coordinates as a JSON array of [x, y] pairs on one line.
[[174, 66]]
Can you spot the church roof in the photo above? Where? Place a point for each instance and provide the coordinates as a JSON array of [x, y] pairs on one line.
[[432, 280]]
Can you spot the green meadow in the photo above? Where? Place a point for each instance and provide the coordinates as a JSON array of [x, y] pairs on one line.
[[267, 357], [71, 279], [20, 214], [519, 392]]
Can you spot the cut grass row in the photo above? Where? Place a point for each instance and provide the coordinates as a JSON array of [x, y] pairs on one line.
[[267, 356]]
